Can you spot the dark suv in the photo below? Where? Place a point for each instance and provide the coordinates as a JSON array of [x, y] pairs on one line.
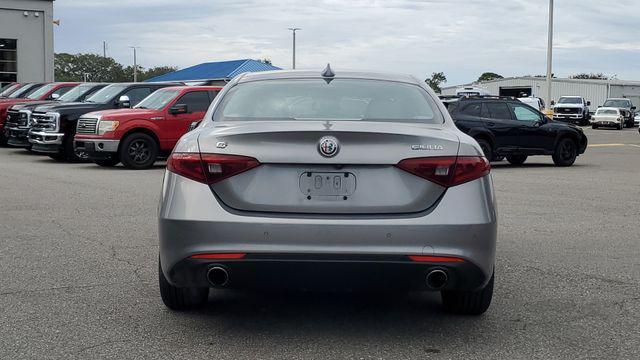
[[507, 127]]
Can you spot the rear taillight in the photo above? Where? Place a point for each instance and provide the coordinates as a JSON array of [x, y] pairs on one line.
[[209, 168], [447, 170]]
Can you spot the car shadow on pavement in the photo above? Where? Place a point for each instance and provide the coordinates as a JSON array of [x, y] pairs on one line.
[[323, 314], [506, 165]]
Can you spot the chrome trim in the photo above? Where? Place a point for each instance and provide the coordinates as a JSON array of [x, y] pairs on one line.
[[57, 141], [107, 145]]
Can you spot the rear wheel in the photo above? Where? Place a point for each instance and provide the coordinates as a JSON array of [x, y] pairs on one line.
[[468, 302], [177, 298], [486, 148], [566, 152], [517, 159], [138, 151], [107, 162]]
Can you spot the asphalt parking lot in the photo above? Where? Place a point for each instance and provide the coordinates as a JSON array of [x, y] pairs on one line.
[[78, 263]]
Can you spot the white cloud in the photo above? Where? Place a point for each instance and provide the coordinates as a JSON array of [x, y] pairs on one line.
[[461, 38]]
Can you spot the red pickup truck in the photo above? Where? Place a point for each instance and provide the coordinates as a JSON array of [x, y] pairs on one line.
[[137, 137], [28, 93]]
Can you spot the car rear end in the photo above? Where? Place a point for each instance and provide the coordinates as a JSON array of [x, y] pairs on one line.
[[608, 117], [302, 180]]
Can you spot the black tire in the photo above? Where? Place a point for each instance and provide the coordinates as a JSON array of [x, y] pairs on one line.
[[107, 162], [176, 298], [138, 151], [565, 153], [517, 159], [486, 148], [594, 126], [468, 302]]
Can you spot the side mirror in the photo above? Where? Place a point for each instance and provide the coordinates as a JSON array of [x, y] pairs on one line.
[[588, 103], [54, 96], [193, 125], [599, 106], [124, 102], [633, 108], [553, 102], [178, 109]]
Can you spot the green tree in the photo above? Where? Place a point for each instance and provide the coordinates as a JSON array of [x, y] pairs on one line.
[[592, 76], [488, 76], [78, 67], [155, 71], [436, 80]]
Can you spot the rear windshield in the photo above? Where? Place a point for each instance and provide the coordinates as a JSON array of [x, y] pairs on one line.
[[607, 112], [617, 103], [339, 99]]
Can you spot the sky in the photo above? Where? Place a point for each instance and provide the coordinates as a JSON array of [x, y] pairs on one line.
[[462, 38]]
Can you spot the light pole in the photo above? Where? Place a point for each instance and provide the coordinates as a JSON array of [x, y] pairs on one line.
[[549, 55], [135, 64], [293, 30]]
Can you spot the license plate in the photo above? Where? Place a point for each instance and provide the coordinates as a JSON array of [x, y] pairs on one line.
[[327, 183]]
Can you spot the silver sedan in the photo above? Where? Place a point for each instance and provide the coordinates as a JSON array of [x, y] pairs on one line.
[[344, 180]]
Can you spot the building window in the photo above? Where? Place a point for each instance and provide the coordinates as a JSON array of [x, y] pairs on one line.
[[8, 60]]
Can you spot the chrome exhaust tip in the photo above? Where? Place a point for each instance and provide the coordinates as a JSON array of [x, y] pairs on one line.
[[437, 279], [218, 276]]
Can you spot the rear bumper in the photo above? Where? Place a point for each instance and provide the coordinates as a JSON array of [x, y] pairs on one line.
[[462, 224], [324, 271]]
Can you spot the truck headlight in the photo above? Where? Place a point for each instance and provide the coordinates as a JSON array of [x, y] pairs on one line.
[[106, 126]]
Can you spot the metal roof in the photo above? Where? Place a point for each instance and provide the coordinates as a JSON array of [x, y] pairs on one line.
[[555, 80], [220, 70]]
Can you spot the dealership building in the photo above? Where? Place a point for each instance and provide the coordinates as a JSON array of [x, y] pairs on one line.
[[26, 40], [596, 91]]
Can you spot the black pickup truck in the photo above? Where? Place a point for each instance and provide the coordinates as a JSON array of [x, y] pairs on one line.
[[54, 125], [19, 115]]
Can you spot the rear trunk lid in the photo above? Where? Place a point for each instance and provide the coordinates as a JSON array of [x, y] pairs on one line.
[[361, 178]]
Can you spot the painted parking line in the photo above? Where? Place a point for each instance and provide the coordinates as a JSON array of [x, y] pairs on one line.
[[612, 145]]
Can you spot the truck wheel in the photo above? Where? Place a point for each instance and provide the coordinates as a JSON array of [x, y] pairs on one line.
[[565, 153], [594, 126], [517, 159], [138, 151], [486, 148], [468, 302], [107, 162], [177, 298]]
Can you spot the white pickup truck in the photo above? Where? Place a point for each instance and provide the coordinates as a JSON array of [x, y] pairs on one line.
[[573, 109]]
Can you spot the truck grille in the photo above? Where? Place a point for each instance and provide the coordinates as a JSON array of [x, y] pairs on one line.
[[86, 126], [14, 120], [568, 110], [44, 122]]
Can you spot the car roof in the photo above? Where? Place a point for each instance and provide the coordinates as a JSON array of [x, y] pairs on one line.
[[339, 74], [188, 87]]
